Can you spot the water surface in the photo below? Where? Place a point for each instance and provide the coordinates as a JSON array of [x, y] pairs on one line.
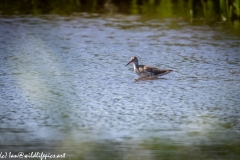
[[65, 87]]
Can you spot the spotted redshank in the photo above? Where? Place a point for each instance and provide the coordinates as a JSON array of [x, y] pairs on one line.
[[146, 71]]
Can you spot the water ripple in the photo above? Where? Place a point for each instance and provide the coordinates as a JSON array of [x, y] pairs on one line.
[[59, 75]]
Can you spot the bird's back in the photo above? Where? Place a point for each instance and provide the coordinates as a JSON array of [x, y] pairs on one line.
[[156, 71]]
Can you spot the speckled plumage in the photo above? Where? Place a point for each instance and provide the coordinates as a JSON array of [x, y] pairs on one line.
[[146, 71]]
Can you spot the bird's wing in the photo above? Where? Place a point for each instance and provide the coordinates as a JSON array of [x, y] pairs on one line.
[[156, 71]]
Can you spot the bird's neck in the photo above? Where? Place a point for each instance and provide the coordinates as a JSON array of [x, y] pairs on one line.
[[135, 64]]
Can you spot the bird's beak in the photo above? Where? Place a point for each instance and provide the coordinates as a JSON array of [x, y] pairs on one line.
[[129, 62]]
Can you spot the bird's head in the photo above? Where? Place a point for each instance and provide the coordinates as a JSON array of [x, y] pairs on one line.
[[133, 59]]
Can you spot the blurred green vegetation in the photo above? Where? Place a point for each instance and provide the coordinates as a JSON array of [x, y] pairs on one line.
[[155, 149], [225, 10]]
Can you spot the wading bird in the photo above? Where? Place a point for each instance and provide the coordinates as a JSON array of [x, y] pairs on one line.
[[147, 71]]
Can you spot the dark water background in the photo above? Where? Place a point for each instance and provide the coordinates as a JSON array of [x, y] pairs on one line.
[[65, 88]]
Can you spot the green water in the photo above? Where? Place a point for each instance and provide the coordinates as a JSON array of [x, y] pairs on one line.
[[205, 11]]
